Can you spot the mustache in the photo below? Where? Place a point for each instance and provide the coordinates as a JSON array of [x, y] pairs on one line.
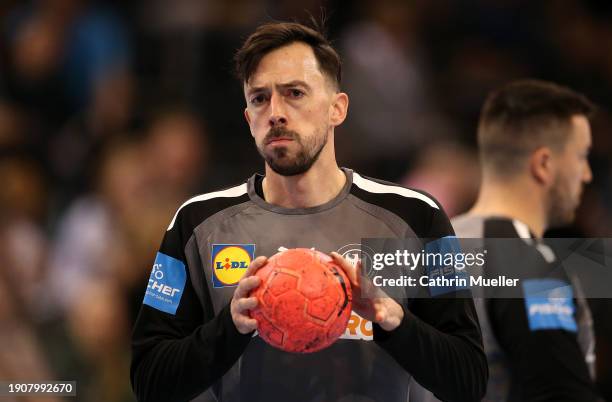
[[281, 132]]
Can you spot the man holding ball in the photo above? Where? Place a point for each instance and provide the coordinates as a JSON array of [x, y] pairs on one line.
[[194, 336]]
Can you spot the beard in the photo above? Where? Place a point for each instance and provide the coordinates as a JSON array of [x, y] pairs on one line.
[[281, 161], [562, 206]]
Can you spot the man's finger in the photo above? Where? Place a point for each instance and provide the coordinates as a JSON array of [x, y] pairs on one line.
[[380, 316], [255, 265], [350, 271], [246, 303], [245, 324], [369, 290], [245, 286]]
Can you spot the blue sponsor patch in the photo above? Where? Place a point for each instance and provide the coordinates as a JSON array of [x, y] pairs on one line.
[[166, 284], [442, 257], [549, 304]]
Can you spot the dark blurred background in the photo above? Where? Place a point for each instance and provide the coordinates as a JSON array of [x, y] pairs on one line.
[[114, 112]]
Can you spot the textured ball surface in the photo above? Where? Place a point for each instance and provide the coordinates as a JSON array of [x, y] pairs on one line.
[[304, 301]]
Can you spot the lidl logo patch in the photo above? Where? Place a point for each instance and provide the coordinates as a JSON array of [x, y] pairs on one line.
[[166, 284], [549, 304], [230, 262]]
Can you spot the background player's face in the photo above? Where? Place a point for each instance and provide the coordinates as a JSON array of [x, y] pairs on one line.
[[573, 173], [290, 108]]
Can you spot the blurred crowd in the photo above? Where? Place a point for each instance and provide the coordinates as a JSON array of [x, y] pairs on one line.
[[112, 113]]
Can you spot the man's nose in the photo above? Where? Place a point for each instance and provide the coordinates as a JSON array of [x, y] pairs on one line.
[[278, 116]]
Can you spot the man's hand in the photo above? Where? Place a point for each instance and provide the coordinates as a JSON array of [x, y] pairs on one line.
[[369, 301], [241, 303]]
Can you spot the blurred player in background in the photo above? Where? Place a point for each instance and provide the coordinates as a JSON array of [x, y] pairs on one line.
[[534, 139], [194, 337]]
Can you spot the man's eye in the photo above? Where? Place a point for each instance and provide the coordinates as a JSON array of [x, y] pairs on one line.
[[258, 100], [296, 93]]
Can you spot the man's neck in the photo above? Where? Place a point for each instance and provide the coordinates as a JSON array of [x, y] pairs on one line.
[[512, 201], [320, 184]]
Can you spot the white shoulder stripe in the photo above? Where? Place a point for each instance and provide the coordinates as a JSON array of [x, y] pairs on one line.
[[230, 192], [379, 188], [521, 229]]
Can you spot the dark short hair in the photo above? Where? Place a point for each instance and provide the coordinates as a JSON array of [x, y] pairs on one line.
[[524, 115], [271, 36]]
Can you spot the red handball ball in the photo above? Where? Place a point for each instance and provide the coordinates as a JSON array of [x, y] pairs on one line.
[[304, 301]]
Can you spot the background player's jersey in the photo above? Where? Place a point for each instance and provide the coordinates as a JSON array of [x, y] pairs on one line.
[[185, 342], [531, 357]]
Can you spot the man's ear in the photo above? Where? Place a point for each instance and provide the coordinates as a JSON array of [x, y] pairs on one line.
[[246, 115], [248, 119], [542, 166], [339, 108]]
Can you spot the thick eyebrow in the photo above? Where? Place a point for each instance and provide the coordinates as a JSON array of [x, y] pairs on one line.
[[253, 90], [294, 83]]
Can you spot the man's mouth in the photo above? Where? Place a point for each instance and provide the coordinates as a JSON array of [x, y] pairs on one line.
[[279, 140]]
